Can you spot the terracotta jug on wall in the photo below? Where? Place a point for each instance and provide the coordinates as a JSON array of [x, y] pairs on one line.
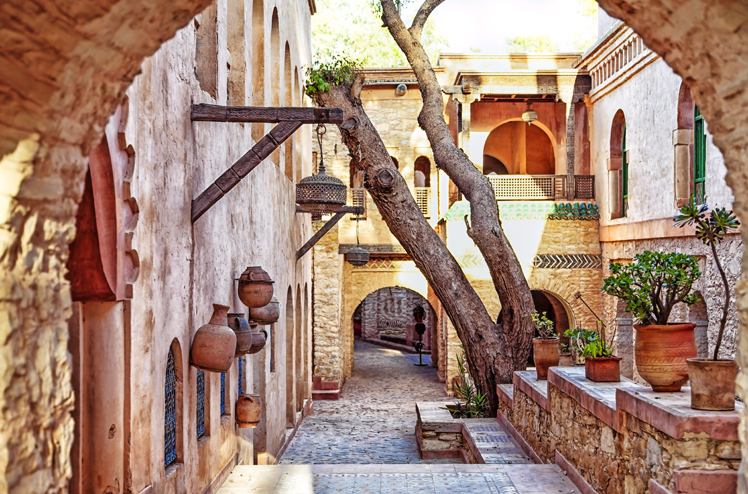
[[214, 344], [248, 409]]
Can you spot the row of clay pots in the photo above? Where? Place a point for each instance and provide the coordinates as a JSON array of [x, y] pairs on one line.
[[665, 358]]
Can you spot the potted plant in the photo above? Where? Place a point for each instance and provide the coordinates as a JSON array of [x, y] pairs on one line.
[[651, 286], [712, 380], [566, 358], [599, 363], [545, 348]]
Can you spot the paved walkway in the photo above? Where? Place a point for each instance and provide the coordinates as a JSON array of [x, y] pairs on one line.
[[374, 420], [365, 443]]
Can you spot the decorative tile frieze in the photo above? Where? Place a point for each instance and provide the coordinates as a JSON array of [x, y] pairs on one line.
[[568, 261]]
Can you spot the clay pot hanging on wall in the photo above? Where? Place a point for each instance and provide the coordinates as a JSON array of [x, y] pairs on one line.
[[545, 353], [255, 287], [248, 411], [248, 339], [661, 352], [267, 314], [214, 344]]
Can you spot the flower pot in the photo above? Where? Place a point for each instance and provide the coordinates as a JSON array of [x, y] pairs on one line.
[[565, 360], [603, 369], [661, 352], [255, 287], [267, 314], [712, 383], [545, 354], [248, 410], [214, 344]]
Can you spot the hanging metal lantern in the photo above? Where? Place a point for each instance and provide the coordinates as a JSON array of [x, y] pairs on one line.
[[357, 256], [529, 115], [321, 193]]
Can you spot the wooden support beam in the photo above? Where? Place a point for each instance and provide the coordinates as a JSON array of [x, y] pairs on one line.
[[218, 113], [321, 233], [242, 167], [344, 209]]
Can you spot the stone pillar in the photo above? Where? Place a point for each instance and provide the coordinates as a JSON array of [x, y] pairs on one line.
[[682, 139], [567, 97], [463, 138]]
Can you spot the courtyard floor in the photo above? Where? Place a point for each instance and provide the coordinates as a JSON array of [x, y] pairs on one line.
[[364, 443]]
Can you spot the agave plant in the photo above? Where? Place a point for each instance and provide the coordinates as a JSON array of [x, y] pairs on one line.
[[711, 229]]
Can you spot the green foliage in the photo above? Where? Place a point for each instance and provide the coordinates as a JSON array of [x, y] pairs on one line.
[[376, 6], [352, 28], [709, 229], [588, 343], [341, 70], [586, 35], [653, 284], [473, 404], [531, 44], [545, 325]]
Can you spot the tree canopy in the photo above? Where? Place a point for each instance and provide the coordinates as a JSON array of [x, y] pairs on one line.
[[352, 28], [531, 44]]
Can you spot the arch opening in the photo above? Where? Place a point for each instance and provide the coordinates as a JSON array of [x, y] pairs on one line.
[[515, 148], [557, 310], [289, 329]]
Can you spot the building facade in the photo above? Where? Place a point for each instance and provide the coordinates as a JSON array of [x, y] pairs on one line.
[[144, 275]]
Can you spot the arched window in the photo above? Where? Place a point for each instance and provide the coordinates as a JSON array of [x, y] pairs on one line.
[[699, 161], [200, 408], [422, 175], [258, 63], [683, 141], [275, 73], [395, 162], [170, 408], [223, 393], [618, 168], [240, 383]]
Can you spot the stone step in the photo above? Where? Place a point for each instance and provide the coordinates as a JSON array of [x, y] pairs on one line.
[[398, 479]]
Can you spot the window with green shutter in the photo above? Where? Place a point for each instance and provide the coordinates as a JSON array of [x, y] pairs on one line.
[[699, 161]]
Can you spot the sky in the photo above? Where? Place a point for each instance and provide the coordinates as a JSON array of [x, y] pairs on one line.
[[486, 24]]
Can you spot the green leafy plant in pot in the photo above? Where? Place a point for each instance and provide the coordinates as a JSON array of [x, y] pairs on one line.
[[600, 365], [651, 286], [712, 380], [544, 348]]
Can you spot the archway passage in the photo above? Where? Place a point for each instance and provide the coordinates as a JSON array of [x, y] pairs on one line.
[[515, 148], [386, 317]]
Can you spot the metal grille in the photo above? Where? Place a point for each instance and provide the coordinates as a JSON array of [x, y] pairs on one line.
[[423, 199], [241, 375], [170, 416], [321, 193], [358, 200], [200, 403], [223, 393], [584, 186], [518, 187]]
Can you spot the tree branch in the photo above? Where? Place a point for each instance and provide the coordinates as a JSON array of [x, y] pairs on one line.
[[416, 29]]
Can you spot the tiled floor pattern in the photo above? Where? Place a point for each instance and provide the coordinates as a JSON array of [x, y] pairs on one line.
[[364, 443], [495, 444], [374, 420], [398, 479]]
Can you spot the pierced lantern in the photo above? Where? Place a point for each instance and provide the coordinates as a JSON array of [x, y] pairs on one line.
[[357, 256], [529, 115], [321, 193]]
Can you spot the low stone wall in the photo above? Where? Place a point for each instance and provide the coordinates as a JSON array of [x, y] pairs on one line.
[[438, 435], [621, 437]]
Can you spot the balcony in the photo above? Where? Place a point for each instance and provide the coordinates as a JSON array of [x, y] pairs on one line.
[[423, 199], [540, 187], [357, 198]]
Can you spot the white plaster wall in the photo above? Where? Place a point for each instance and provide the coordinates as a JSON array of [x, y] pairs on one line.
[[186, 268], [649, 102]]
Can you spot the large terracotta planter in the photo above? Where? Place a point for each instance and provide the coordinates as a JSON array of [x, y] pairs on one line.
[[712, 383], [603, 369], [214, 344], [545, 354], [661, 353], [248, 410]]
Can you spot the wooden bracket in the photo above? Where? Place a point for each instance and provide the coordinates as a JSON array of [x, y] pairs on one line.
[[326, 228], [289, 121]]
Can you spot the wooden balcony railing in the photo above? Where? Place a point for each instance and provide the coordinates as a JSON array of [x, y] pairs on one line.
[[357, 198], [540, 187], [423, 199]]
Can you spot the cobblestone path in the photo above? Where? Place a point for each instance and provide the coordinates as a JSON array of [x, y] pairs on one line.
[[374, 420]]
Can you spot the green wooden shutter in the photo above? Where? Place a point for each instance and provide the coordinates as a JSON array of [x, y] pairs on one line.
[[699, 162], [625, 175]]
